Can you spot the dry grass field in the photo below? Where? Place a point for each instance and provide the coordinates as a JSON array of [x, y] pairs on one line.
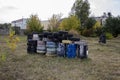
[[103, 63]]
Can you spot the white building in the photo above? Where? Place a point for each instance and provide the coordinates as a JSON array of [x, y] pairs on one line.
[[22, 23], [102, 19], [45, 24]]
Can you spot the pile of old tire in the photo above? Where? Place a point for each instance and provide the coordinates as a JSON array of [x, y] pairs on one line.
[[50, 48], [82, 51], [31, 46], [41, 47], [60, 44]]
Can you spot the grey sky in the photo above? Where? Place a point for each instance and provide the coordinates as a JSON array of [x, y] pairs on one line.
[[100, 6], [15, 9]]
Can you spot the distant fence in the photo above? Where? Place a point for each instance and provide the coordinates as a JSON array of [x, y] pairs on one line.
[[19, 31], [5, 30]]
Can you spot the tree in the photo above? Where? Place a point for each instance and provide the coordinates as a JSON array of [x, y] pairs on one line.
[[97, 25], [12, 40], [54, 22], [5, 25], [109, 14], [81, 9], [113, 25], [34, 24], [88, 29], [72, 22], [98, 29], [90, 22]]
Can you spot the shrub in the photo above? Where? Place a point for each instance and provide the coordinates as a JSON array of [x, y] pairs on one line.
[[98, 31], [75, 33], [72, 22], [87, 32], [12, 40], [109, 35]]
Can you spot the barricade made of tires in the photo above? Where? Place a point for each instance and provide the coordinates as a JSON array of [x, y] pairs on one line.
[[60, 44]]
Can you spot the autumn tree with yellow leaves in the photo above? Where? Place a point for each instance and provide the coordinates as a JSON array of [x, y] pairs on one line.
[[70, 23], [12, 40]]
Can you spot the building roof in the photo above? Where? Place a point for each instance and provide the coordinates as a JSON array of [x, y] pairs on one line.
[[19, 20]]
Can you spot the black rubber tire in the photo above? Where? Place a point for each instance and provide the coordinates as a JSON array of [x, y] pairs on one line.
[[60, 39], [29, 36], [31, 50], [56, 34], [64, 38], [40, 35], [74, 39], [32, 42], [63, 32], [69, 35], [35, 33], [56, 40], [50, 37], [46, 34]]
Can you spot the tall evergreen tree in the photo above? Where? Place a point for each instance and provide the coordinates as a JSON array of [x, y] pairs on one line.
[[113, 25], [81, 9]]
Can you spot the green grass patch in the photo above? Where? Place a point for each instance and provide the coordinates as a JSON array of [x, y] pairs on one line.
[[103, 63]]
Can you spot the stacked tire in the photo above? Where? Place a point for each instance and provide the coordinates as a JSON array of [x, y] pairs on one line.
[[50, 48], [41, 47], [40, 37], [62, 36], [82, 51], [29, 37], [60, 44], [32, 46], [56, 37], [74, 39], [46, 36]]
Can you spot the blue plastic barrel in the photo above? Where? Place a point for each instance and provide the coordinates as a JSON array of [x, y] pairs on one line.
[[71, 51]]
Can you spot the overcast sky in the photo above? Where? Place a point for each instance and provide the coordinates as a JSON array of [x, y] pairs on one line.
[[15, 9]]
